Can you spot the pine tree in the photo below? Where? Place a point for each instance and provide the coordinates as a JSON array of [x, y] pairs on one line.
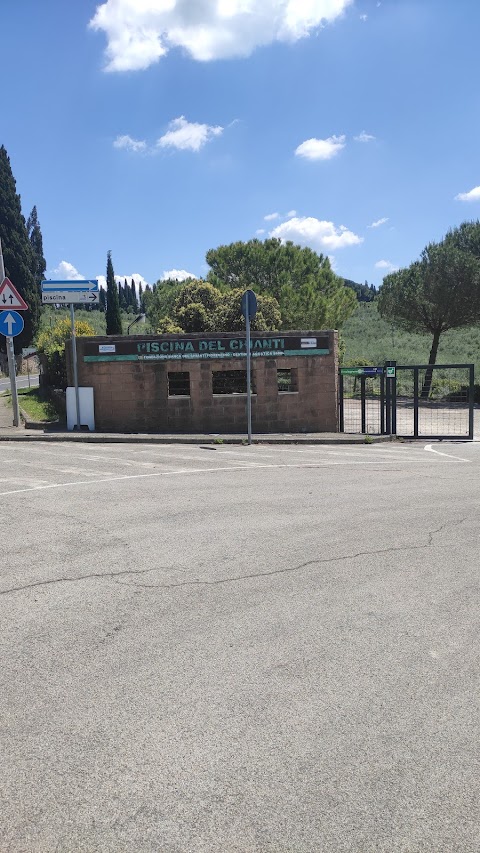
[[114, 320], [18, 255]]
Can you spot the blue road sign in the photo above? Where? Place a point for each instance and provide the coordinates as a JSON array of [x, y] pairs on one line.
[[11, 323], [75, 285], [249, 304], [373, 371]]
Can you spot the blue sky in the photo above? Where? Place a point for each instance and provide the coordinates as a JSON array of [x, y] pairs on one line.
[[162, 128]]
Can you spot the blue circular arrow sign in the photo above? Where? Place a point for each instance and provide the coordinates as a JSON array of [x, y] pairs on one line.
[[11, 323]]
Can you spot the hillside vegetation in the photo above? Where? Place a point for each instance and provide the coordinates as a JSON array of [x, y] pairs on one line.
[[366, 336]]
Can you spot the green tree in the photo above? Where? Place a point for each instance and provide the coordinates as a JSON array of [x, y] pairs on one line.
[[113, 316], [36, 242], [309, 293], [441, 291], [161, 301], [21, 265], [166, 326], [229, 318], [195, 306], [198, 306], [51, 345], [133, 298]]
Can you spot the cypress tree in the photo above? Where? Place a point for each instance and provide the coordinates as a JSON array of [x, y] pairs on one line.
[[20, 262], [102, 302], [134, 297], [114, 320], [36, 242], [140, 297]]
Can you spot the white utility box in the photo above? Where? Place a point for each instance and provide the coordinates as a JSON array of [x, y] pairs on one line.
[[87, 411]]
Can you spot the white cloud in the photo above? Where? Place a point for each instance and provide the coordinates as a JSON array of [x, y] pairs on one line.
[[120, 279], [129, 143], [321, 149], [472, 195], [318, 234], [260, 231], [67, 272], [386, 265], [187, 136], [140, 32], [271, 216], [291, 213], [178, 275], [378, 222], [364, 137], [363, 17]]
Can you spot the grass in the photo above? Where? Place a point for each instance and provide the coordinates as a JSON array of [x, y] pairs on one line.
[[96, 319], [34, 404], [367, 336]]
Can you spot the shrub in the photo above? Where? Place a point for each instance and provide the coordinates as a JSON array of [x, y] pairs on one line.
[[51, 346]]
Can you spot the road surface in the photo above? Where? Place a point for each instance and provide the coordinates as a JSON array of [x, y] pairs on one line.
[[239, 648], [22, 382]]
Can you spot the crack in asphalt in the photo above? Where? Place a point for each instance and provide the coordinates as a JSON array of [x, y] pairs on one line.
[[233, 579]]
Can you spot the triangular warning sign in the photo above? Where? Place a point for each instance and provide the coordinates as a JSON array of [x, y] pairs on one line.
[[10, 298]]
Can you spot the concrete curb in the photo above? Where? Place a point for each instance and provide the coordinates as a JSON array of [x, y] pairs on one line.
[[114, 438], [29, 424]]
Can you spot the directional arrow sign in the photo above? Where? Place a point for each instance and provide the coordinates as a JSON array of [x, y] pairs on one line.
[[70, 285], [11, 324], [10, 297], [69, 297]]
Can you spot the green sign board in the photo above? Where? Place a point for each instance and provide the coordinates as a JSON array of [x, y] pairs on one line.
[[390, 373], [177, 347]]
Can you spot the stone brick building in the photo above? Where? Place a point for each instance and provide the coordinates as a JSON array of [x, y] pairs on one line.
[[197, 383]]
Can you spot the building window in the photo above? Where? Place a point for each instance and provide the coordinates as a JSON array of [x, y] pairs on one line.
[[179, 385], [287, 381], [230, 382]]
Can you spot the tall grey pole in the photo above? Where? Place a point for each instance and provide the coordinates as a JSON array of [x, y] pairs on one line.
[[11, 359], [75, 365], [249, 374]]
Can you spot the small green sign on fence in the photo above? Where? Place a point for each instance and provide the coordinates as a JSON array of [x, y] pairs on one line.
[[390, 373]]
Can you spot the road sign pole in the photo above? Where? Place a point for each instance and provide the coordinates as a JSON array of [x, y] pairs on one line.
[[249, 309], [11, 359], [13, 381], [249, 375], [75, 365]]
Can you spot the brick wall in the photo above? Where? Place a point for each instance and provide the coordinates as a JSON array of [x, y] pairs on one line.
[[132, 396]]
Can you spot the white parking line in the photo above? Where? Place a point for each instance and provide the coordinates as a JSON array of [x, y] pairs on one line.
[[304, 465], [448, 455]]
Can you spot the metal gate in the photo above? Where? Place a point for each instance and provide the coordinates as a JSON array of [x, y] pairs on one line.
[[409, 401]]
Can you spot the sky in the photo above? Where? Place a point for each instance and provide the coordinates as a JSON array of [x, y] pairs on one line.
[[160, 129]]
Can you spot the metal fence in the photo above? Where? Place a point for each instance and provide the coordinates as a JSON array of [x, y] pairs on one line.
[[418, 401]]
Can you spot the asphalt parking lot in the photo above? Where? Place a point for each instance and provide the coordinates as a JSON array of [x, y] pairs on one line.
[[239, 648]]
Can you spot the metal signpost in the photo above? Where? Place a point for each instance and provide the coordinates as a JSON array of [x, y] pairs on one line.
[[72, 292], [249, 309], [11, 324]]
